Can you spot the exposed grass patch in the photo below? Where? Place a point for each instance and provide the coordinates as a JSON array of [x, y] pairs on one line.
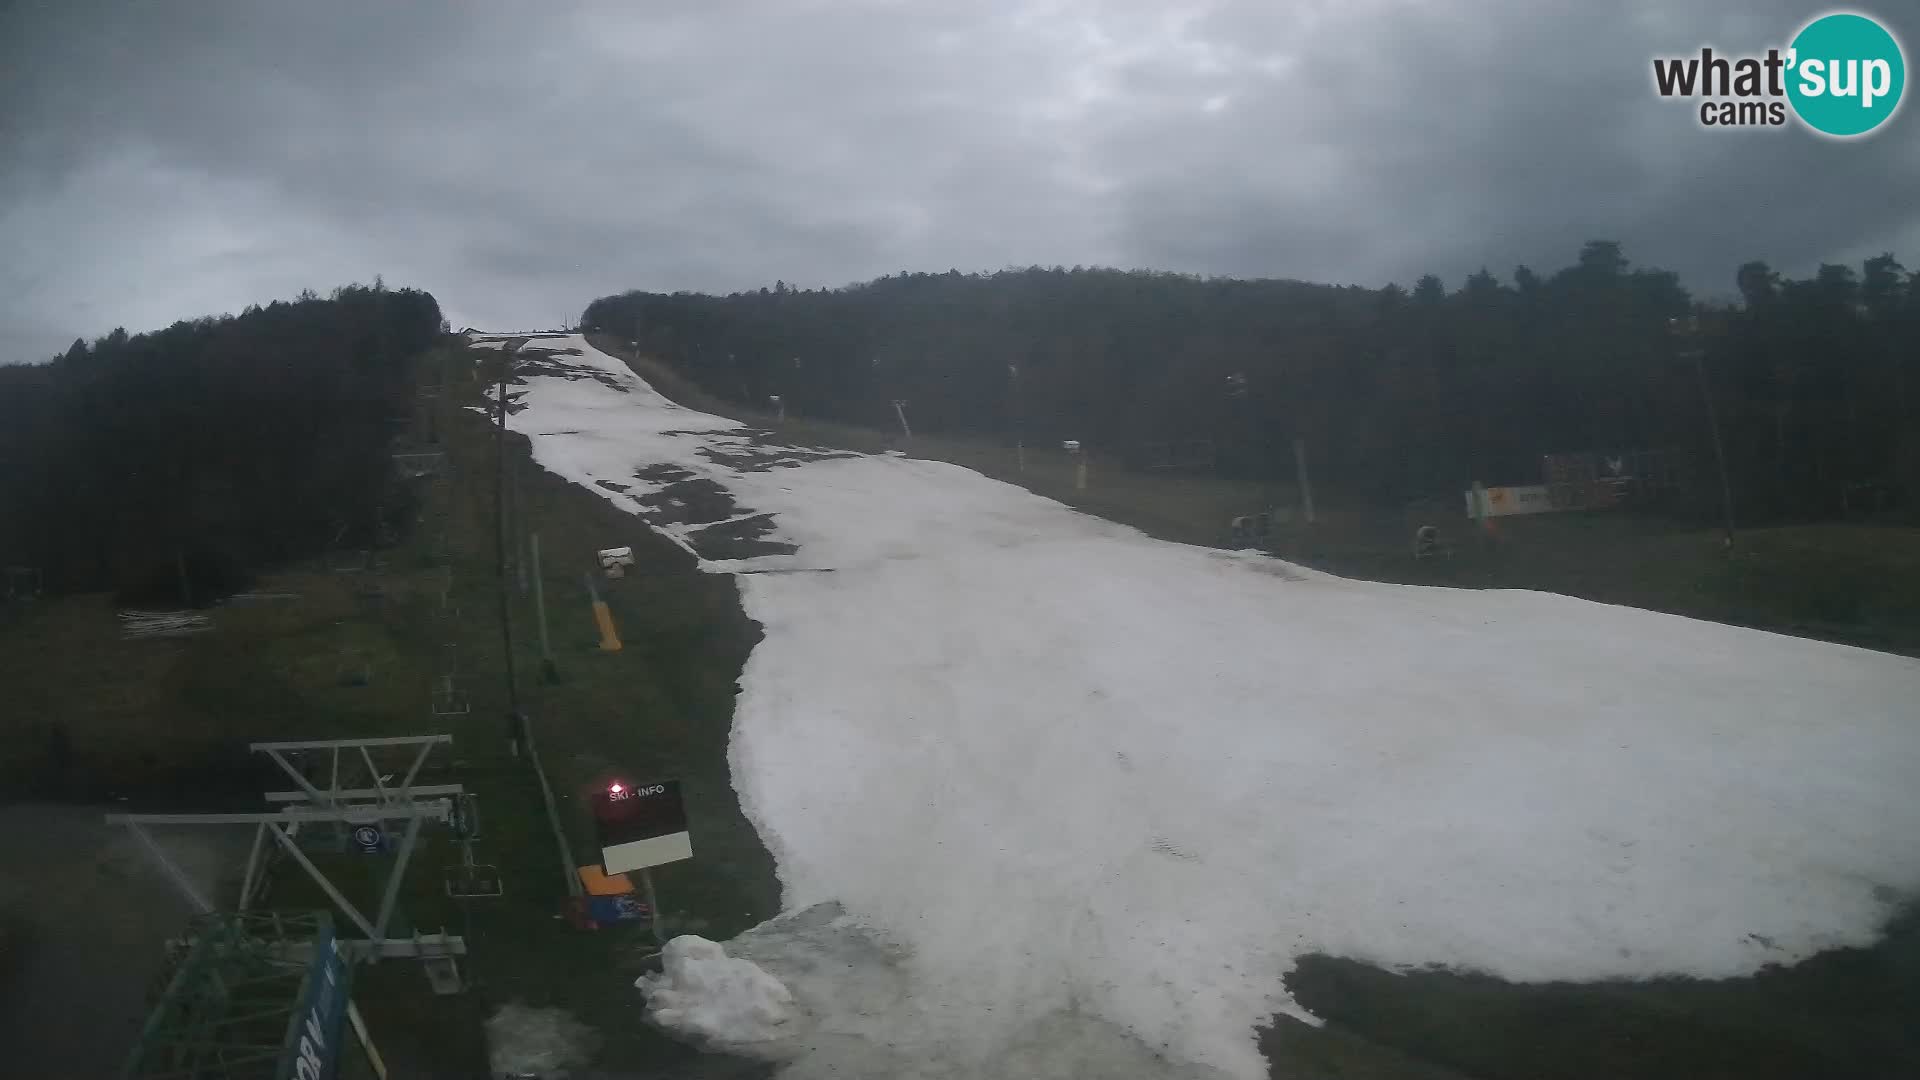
[[1843, 1013]]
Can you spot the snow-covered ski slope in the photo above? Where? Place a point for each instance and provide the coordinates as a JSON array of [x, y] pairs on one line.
[[1065, 768]]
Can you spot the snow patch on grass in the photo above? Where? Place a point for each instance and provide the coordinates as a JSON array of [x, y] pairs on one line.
[[525, 1041]]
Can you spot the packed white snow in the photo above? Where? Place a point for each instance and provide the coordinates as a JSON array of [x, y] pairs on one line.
[[850, 1014], [1057, 768], [523, 1040], [706, 993]]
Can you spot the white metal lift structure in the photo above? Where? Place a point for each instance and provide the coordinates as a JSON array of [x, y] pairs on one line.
[[346, 803]]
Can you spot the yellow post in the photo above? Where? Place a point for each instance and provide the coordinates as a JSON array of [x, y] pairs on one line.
[[603, 618], [609, 638]]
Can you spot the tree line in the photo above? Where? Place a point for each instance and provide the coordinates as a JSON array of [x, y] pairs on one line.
[[1399, 394], [209, 449]]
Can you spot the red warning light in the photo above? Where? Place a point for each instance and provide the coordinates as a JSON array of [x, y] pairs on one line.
[[615, 789]]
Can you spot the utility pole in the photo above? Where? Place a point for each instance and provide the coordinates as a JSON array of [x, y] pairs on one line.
[[1240, 409], [549, 673], [433, 409], [1688, 332], [1019, 420], [1719, 450], [1079, 456], [186, 589], [1306, 485], [500, 553], [517, 527]]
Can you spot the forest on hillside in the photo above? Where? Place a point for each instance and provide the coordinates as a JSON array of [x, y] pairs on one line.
[[1398, 394], [216, 447]]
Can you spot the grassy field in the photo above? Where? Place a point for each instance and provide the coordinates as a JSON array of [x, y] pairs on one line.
[[1846, 1013], [1854, 583]]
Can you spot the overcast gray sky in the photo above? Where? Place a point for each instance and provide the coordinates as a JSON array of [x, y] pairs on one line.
[[165, 160]]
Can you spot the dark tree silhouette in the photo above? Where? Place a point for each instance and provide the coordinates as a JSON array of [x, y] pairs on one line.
[[1402, 394], [226, 443]]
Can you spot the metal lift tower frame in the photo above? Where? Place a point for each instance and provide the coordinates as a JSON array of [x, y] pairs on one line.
[[231, 1005], [336, 804]]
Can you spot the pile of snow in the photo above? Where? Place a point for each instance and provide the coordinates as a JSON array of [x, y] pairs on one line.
[[526, 1041], [854, 1016], [1061, 769], [703, 992]]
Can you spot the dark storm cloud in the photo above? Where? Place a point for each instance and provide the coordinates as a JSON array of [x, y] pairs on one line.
[[1396, 140], [164, 160]]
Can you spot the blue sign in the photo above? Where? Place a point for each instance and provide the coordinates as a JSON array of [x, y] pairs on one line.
[[369, 840], [607, 910], [313, 1045]]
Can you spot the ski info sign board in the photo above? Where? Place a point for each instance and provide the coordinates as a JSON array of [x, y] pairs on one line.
[[641, 825]]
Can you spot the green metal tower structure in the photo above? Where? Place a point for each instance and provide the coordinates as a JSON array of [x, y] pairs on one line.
[[248, 996]]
